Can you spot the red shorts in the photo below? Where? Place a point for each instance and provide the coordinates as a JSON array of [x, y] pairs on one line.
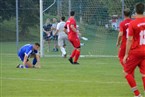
[[75, 42], [121, 55], [135, 58]]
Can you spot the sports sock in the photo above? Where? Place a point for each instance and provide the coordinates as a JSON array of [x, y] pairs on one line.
[[23, 66], [132, 83], [143, 80], [34, 61], [63, 50], [73, 53], [77, 55]]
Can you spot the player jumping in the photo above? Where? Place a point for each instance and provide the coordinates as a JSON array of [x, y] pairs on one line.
[[70, 29], [135, 49], [26, 52]]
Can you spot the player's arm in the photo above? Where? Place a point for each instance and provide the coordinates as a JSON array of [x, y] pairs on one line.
[[25, 59], [53, 27], [47, 32], [128, 46], [65, 29], [56, 32], [38, 61], [73, 28], [57, 29], [120, 34], [128, 43]]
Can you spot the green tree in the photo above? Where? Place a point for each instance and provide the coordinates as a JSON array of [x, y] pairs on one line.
[[28, 13], [7, 9]]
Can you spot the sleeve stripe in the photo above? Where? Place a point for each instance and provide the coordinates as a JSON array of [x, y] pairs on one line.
[[27, 54]]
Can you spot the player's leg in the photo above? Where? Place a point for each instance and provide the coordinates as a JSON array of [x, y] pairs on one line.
[[61, 45], [48, 42], [142, 71], [21, 57], [72, 56], [77, 55], [29, 64], [55, 49], [73, 52], [129, 68], [64, 46], [34, 59], [121, 56], [76, 44]]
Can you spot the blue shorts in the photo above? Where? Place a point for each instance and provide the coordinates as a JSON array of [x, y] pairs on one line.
[[21, 57]]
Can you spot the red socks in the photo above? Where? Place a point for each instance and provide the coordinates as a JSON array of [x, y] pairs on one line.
[[143, 80], [77, 55], [73, 53], [132, 84]]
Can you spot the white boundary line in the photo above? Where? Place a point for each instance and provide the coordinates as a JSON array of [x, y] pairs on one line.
[[96, 56], [91, 56], [60, 81]]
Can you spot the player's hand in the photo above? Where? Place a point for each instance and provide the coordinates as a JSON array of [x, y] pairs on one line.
[[37, 66], [79, 34], [117, 44], [125, 59], [47, 33]]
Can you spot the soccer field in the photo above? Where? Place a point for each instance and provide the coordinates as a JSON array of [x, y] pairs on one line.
[[94, 77]]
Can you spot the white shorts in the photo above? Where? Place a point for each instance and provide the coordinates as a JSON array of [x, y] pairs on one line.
[[62, 40]]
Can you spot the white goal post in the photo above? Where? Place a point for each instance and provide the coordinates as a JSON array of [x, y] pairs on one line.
[[41, 24]]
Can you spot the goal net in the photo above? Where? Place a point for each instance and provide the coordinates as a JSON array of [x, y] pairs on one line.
[[98, 22]]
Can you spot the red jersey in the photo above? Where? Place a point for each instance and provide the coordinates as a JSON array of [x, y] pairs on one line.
[[123, 28], [137, 30], [71, 33]]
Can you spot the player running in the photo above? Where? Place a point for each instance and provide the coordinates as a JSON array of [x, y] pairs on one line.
[[70, 29], [27, 51], [135, 49], [122, 35], [62, 37]]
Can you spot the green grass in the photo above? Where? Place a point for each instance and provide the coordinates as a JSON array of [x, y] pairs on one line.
[[94, 77]]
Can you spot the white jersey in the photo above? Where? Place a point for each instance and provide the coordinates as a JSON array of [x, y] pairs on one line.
[[60, 27], [54, 26]]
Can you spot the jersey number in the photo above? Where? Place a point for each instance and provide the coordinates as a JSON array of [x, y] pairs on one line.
[[68, 29], [127, 31], [142, 37]]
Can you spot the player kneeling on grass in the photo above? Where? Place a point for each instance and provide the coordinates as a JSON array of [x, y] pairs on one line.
[[28, 51]]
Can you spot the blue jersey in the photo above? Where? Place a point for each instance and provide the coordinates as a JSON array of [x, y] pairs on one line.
[[26, 50]]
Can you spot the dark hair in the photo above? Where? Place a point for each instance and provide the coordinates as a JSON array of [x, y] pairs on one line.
[[72, 13], [37, 44], [63, 18], [127, 12], [140, 7]]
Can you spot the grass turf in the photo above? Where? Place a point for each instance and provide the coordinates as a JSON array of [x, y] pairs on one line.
[[94, 77]]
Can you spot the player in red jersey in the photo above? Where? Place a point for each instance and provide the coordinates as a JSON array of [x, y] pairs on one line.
[[70, 29], [135, 49], [122, 36]]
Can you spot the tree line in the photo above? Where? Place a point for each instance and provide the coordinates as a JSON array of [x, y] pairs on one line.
[[90, 10]]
